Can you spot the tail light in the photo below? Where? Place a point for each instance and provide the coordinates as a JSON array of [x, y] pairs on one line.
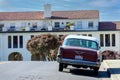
[[99, 59], [60, 51]]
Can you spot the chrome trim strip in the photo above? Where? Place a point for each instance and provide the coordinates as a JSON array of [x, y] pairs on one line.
[[78, 62]]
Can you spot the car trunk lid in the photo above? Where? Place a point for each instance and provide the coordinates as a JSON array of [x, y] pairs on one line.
[[79, 53]]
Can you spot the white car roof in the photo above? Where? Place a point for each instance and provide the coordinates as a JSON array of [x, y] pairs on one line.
[[82, 37]]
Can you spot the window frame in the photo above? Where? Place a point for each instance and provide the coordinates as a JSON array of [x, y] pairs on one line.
[[79, 25], [15, 41], [58, 24], [90, 24]]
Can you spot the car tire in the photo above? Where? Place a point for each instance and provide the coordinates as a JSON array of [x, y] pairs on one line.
[[65, 65], [96, 70], [60, 67]]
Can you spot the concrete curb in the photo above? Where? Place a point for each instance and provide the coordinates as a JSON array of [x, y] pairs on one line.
[[106, 67], [111, 73]]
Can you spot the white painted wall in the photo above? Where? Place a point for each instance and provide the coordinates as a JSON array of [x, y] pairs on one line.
[[4, 51], [49, 22], [18, 23], [84, 23]]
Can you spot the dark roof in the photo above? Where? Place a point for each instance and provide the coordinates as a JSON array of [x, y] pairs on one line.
[[115, 25], [78, 14], [107, 26]]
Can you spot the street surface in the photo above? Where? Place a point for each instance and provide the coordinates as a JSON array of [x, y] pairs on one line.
[[40, 70]]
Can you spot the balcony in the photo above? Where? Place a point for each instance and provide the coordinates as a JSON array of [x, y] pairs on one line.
[[14, 28], [38, 28]]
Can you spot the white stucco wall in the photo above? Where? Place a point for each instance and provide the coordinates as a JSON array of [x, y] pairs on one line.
[[18, 23], [84, 23], [5, 51], [50, 22]]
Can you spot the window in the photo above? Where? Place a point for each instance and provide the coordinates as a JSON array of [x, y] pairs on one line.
[[9, 42], [1, 26], [21, 41], [79, 25], [12, 25], [101, 40], [113, 40], [90, 24], [62, 25], [28, 24], [34, 25], [107, 39], [57, 24], [81, 43], [15, 41]]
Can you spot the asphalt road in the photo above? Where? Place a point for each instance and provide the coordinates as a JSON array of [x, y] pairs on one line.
[[37, 70]]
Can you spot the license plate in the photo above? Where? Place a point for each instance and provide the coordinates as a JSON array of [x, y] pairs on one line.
[[78, 57]]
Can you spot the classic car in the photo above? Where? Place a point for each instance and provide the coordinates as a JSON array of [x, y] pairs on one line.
[[79, 51]]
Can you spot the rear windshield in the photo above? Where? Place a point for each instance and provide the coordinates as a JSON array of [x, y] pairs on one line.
[[81, 43]]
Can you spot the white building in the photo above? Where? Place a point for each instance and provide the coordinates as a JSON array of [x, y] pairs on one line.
[[16, 28]]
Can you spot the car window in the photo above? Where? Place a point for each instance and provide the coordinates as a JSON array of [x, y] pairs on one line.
[[81, 43]]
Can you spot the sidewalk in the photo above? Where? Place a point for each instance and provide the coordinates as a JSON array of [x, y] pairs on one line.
[[113, 68]]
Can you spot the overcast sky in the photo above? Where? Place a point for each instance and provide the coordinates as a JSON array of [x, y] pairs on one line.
[[109, 10]]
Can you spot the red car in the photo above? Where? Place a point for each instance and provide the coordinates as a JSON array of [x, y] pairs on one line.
[[79, 51]]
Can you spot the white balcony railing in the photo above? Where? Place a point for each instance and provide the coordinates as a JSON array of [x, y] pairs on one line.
[[37, 28], [25, 28]]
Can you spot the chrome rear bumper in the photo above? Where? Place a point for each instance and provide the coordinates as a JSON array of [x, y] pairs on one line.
[[78, 62]]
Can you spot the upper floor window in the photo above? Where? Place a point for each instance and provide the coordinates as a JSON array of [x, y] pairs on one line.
[[34, 25], [12, 27], [79, 25], [1, 26], [90, 24], [57, 24], [29, 24], [12, 24]]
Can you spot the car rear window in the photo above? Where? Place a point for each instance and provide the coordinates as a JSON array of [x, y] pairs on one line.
[[81, 43]]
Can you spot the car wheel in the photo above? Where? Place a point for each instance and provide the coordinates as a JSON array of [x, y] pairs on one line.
[[65, 65], [96, 70], [60, 66]]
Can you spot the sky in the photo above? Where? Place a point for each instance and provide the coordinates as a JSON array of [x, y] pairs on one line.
[[109, 10]]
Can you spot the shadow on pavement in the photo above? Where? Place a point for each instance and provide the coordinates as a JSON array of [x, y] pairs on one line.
[[88, 72], [103, 74], [114, 70], [84, 72]]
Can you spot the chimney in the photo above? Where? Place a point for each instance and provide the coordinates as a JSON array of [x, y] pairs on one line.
[[47, 11]]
